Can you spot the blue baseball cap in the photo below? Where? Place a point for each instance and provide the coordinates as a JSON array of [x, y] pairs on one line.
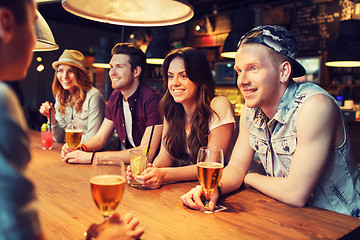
[[278, 39]]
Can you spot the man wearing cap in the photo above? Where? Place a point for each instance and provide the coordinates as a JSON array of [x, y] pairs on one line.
[[132, 110], [296, 129]]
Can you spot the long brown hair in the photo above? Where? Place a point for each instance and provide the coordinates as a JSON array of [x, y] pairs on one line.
[[176, 142], [77, 97]]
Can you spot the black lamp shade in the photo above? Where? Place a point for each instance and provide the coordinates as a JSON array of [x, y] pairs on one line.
[[103, 55], [230, 44], [158, 47], [346, 50], [242, 21]]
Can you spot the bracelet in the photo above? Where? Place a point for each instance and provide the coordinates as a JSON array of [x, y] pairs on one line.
[[83, 147], [92, 156], [219, 191]]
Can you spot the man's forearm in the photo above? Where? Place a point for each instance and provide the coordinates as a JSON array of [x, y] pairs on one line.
[[95, 144], [123, 155], [231, 180]]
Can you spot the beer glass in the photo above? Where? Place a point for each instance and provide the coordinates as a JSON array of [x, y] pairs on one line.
[[107, 185], [73, 135], [210, 165]]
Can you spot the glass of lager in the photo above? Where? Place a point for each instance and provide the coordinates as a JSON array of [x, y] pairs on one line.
[[107, 185], [210, 165], [73, 135]]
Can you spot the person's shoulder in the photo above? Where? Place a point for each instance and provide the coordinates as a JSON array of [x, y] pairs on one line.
[[148, 93], [321, 100], [220, 102], [148, 89], [3, 88], [94, 92], [320, 104], [115, 94], [6, 94]]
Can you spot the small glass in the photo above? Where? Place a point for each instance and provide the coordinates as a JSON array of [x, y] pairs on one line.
[[73, 135], [138, 163], [210, 165], [47, 136]]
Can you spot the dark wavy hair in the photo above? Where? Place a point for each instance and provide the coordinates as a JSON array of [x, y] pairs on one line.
[[77, 98], [136, 56], [175, 139]]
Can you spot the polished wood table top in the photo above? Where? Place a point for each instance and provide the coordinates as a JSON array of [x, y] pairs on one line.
[[66, 208]]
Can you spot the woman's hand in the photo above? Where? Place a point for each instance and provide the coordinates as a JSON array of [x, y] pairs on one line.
[[192, 199], [44, 110], [77, 157], [129, 174], [116, 228], [65, 150], [151, 177]]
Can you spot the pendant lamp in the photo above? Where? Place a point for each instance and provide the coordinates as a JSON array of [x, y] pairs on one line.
[[242, 20], [158, 47], [346, 50], [148, 13], [103, 55], [44, 38]]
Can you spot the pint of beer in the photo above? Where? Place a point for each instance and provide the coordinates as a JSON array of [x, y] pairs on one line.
[[73, 137]]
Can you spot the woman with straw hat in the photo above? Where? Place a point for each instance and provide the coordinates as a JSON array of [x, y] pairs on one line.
[[75, 97]]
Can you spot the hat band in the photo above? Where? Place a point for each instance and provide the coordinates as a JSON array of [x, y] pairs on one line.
[[71, 61]]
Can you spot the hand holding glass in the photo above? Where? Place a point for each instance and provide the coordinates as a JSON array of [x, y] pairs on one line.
[[210, 165], [107, 185]]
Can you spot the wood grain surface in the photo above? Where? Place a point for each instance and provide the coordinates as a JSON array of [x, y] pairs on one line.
[[66, 208]]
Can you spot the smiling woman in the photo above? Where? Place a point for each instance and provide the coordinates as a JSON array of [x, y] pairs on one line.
[[76, 99], [193, 118]]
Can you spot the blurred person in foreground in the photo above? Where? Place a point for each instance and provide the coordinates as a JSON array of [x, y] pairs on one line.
[[18, 205], [193, 117], [296, 129], [75, 97], [132, 110]]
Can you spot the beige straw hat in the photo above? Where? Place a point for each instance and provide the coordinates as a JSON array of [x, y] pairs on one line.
[[72, 58]]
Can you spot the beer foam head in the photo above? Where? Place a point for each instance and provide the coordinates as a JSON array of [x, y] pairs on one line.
[[73, 130]]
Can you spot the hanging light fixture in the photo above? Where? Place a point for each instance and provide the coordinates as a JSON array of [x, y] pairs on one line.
[[103, 55], [46, 1], [242, 21], [346, 50], [132, 13], [158, 47], [44, 38]]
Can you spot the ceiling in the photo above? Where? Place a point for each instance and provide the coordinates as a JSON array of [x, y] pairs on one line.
[[53, 11]]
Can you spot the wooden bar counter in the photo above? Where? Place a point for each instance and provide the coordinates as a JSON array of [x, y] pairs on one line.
[[66, 208]]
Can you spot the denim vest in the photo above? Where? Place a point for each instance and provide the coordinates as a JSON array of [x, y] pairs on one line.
[[338, 189]]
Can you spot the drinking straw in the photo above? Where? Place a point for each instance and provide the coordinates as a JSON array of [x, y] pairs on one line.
[[151, 134], [50, 117]]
